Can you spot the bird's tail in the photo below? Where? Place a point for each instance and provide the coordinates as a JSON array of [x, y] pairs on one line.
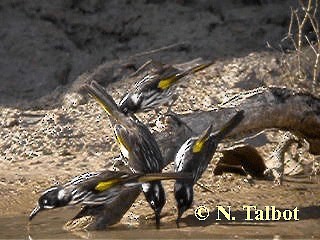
[[149, 177], [104, 99], [139, 178], [195, 69], [167, 82], [229, 126]]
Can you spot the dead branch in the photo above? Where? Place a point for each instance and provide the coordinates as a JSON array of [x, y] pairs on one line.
[[309, 14]]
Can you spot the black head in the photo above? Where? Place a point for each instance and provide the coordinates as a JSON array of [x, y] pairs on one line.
[[130, 103], [183, 192], [156, 197], [51, 198]]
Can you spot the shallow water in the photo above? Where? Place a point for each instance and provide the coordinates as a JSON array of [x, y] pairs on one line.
[[303, 194], [50, 226]]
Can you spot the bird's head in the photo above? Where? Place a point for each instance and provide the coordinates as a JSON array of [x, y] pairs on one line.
[[156, 197], [130, 103], [51, 198], [184, 196]]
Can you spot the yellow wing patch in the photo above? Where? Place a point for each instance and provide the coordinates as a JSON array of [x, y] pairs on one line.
[[103, 186], [167, 82], [198, 146], [124, 146], [104, 106]]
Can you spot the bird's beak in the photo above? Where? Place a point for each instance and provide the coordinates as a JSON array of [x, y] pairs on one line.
[[34, 212], [157, 213], [180, 212]]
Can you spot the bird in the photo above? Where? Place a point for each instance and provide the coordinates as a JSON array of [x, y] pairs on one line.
[[155, 89], [194, 156], [137, 145], [95, 188]]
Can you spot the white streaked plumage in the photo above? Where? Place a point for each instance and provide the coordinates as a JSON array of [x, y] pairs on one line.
[[180, 156]]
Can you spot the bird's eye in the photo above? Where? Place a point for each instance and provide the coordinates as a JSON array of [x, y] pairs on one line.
[[152, 203], [45, 201]]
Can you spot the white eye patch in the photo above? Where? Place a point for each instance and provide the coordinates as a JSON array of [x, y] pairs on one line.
[[61, 194]]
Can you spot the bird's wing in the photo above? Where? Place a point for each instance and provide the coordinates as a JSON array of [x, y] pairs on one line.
[[182, 155], [102, 197], [140, 147], [146, 80], [82, 178], [124, 139], [150, 149]]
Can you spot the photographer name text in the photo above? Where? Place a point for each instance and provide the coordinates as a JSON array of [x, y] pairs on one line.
[[250, 213]]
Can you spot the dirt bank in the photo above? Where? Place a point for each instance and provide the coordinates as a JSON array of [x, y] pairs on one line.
[[46, 45]]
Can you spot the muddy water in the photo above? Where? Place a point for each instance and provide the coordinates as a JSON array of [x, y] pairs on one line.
[[48, 226], [301, 193]]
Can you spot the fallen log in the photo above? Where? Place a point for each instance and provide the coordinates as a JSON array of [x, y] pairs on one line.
[[265, 108]]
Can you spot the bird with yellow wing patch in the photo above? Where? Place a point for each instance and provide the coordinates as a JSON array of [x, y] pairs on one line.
[[194, 156]]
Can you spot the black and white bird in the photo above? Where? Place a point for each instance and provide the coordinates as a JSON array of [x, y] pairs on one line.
[[155, 89], [95, 188], [137, 145], [194, 156]]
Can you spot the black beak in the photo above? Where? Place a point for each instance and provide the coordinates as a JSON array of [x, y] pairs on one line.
[[157, 213], [34, 212], [180, 212]]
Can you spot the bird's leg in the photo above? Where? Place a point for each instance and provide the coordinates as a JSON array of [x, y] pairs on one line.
[[180, 212], [157, 216]]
